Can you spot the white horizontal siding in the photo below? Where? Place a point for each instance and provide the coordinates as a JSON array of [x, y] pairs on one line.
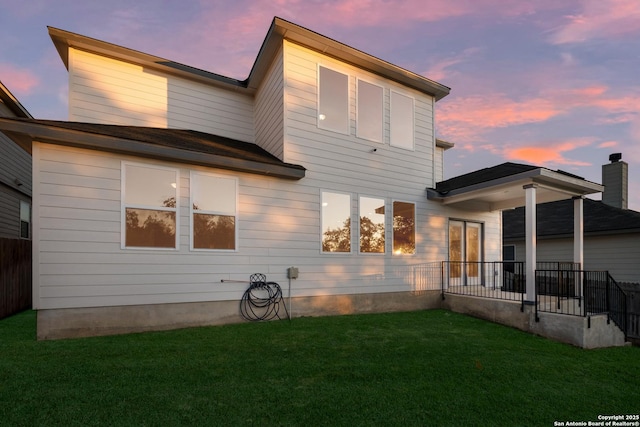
[[80, 262], [105, 90], [269, 110]]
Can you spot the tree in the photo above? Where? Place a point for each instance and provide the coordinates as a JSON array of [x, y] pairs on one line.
[[371, 236], [337, 239]]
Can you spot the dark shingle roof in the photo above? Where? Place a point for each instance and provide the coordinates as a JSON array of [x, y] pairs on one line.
[[167, 144], [556, 219], [483, 175]]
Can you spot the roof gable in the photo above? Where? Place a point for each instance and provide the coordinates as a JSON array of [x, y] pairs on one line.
[[279, 30]]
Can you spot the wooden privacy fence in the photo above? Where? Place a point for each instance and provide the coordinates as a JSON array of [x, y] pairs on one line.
[[15, 276]]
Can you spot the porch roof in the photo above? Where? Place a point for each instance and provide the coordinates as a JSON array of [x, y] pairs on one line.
[[502, 187]]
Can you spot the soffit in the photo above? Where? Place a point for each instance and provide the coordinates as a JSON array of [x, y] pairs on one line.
[[509, 192]]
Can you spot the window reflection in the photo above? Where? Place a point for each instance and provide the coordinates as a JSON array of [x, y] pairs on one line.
[[150, 228], [369, 110], [336, 222], [401, 121], [150, 211], [333, 100], [371, 225], [214, 211], [404, 230]]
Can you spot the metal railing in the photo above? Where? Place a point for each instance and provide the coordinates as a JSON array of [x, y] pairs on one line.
[[503, 280], [580, 293]]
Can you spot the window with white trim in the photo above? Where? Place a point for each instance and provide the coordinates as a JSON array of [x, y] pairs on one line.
[[372, 222], [213, 211], [401, 121], [149, 208], [333, 100], [404, 228], [336, 222], [369, 111]]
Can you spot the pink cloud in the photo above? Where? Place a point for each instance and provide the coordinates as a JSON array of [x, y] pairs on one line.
[[470, 117], [442, 69], [600, 19], [608, 144], [549, 153], [19, 81]]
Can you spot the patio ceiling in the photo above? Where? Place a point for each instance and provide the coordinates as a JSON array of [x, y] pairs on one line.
[[491, 190]]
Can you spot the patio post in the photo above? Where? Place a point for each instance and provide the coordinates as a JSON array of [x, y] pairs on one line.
[[530, 232], [578, 240]]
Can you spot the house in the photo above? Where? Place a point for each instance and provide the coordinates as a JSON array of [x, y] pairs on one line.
[[15, 175], [170, 186], [611, 230]]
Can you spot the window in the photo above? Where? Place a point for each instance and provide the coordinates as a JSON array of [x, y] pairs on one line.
[[213, 211], [404, 228], [25, 220], [333, 100], [336, 222], [401, 121], [149, 209], [371, 225], [369, 111]]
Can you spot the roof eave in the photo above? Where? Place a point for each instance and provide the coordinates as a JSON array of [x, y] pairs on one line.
[[284, 30], [63, 40], [80, 139], [12, 103]]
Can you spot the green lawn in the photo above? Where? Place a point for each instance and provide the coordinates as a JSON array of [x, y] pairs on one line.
[[406, 369]]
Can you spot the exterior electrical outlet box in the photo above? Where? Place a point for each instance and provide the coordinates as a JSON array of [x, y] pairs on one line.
[[292, 272]]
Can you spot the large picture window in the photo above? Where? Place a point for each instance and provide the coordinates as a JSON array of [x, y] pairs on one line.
[[333, 100], [372, 219], [404, 228], [149, 208], [336, 222], [213, 208], [401, 121], [369, 111]]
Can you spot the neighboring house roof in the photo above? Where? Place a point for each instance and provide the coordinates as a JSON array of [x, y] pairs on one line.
[[279, 30], [12, 102], [502, 187], [185, 146], [555, 219]]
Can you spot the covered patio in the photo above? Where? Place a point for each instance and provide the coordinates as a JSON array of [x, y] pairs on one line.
[[512, 185]]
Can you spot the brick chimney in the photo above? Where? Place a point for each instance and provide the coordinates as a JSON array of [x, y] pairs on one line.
[[615, 178]]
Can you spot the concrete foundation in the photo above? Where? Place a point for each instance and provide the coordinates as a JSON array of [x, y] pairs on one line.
[[97, 321], [585, 332]]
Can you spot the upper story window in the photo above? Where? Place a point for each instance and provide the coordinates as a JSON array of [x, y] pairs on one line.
[[404, 228], [149, 206], [25, 220], [401, 121], [333, 100], [336, 222], [369, 110], [372, 220], [213, 211]]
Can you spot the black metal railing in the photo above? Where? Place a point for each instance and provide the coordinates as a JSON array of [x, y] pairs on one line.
[[580, 293], [495, 279]]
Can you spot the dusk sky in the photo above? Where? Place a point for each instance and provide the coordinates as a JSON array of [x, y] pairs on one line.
[[554, 83]]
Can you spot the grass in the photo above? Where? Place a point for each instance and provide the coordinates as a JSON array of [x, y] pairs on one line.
[[406, 369]]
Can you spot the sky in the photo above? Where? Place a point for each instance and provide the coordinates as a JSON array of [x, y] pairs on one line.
[[544, 82]]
